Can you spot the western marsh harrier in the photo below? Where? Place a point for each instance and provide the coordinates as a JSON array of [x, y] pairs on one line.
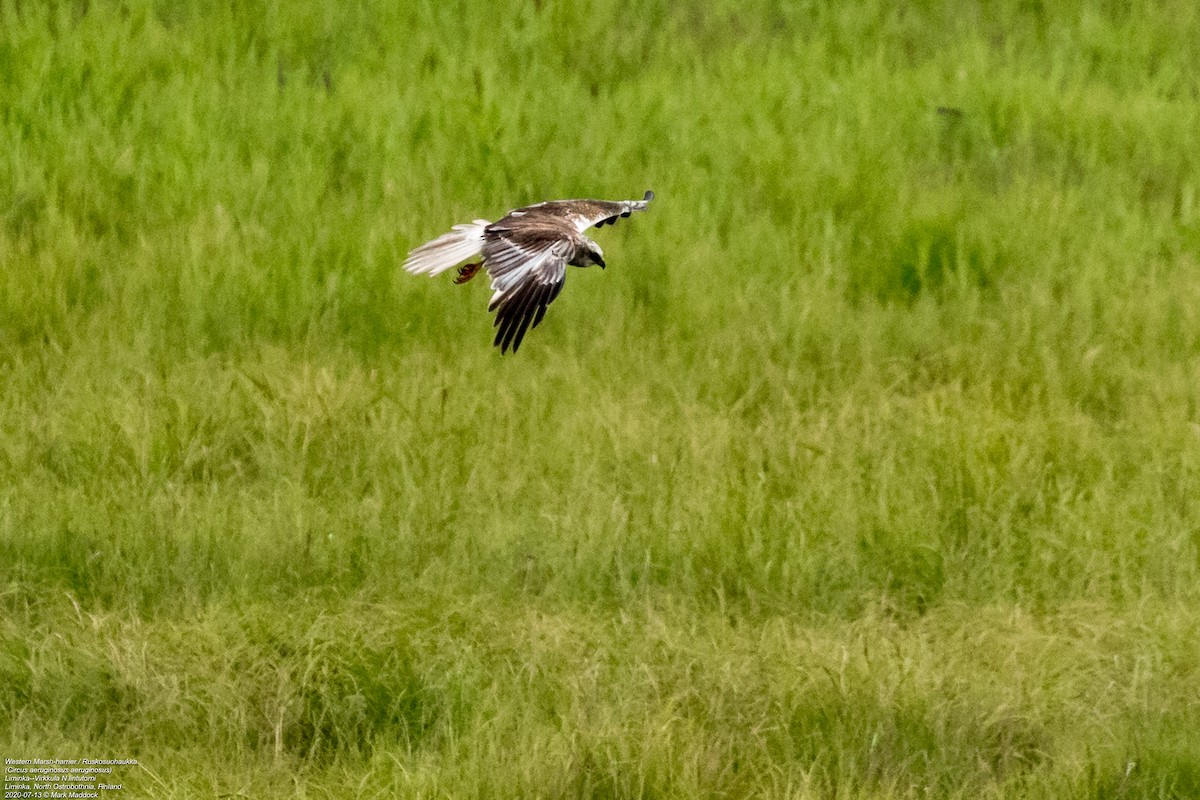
[[526, 254]]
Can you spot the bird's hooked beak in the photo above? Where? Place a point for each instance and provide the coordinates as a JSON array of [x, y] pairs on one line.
[[599, 260]]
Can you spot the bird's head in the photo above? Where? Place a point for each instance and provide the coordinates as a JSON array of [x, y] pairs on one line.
[[595, 254]]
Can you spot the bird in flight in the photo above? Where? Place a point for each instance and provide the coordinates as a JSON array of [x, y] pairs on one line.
[[526, 254]]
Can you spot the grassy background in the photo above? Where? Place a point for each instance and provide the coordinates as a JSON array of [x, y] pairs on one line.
[[870, 468]]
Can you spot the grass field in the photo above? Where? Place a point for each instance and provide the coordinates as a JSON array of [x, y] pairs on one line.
[[870, 467]]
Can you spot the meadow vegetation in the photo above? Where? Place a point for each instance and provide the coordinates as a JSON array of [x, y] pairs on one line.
[[870, 467]]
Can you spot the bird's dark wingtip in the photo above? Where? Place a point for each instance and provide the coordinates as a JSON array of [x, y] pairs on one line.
[[649, 196]]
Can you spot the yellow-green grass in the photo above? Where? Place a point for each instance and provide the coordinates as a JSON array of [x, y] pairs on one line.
[[870, 468]]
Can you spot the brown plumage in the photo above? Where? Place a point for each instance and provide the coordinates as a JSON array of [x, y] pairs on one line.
[[526, 254]]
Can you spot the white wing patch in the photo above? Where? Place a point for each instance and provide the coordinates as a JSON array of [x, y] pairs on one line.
[[510, 264]]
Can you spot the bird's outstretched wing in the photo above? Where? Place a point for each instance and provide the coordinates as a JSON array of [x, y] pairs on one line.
[[528, 266], [583, 214]]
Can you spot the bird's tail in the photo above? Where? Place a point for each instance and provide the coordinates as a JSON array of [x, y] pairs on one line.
[[461, 243]]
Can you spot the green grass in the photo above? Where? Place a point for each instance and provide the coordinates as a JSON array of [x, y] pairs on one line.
[[869, 469]]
